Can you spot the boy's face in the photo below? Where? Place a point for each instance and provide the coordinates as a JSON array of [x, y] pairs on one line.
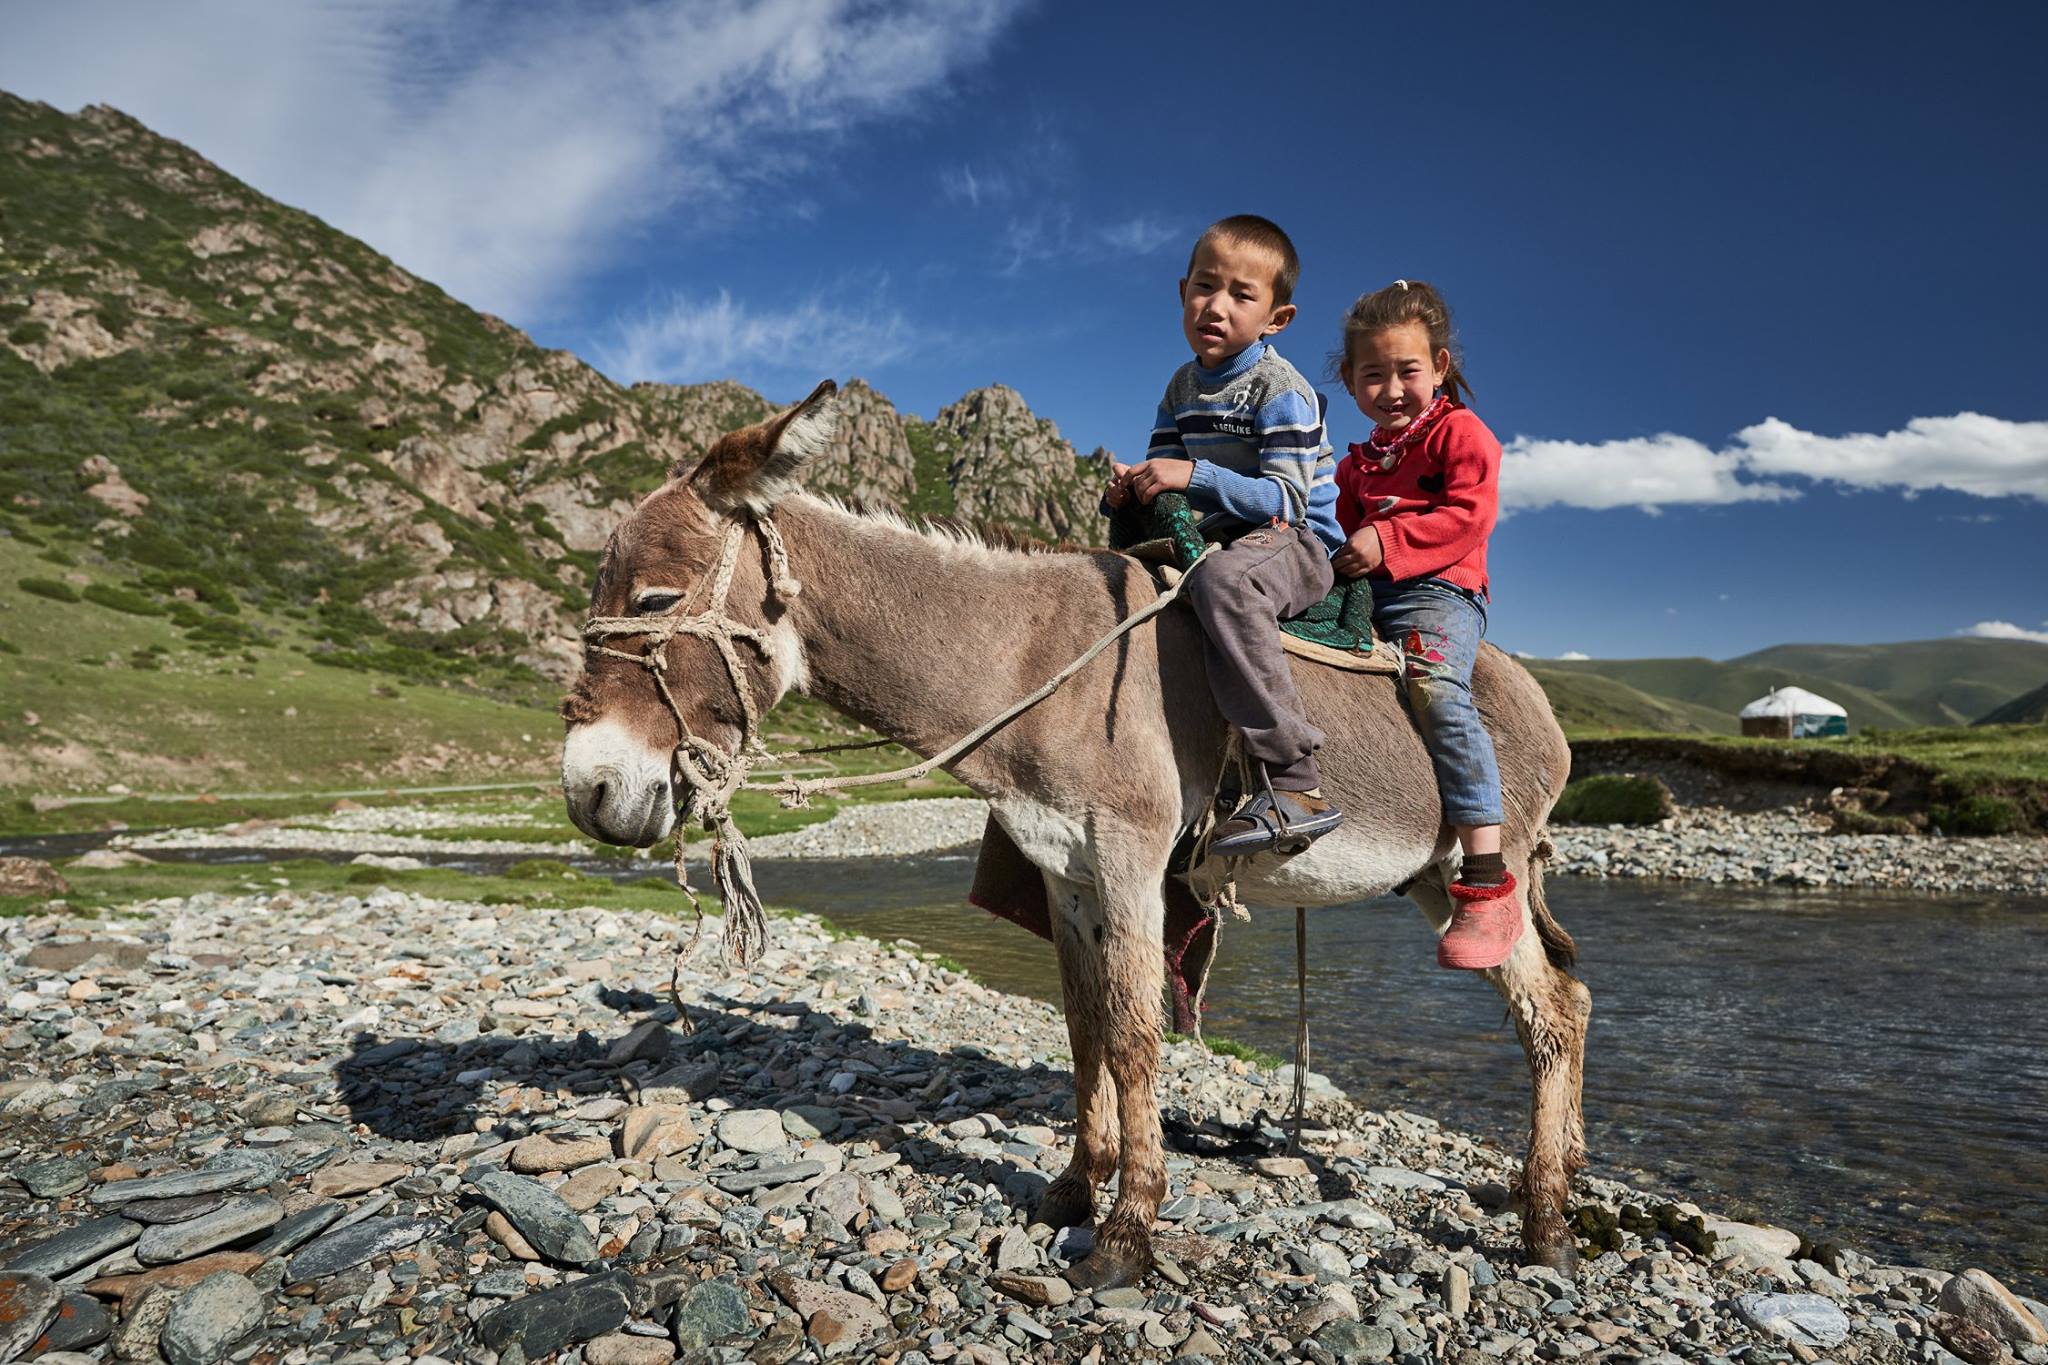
[[1392, 374], [1226, 302]]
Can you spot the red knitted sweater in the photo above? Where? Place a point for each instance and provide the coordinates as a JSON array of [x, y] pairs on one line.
[[1435, 508]]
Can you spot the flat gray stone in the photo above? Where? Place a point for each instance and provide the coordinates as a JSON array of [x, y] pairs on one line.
[[82, 1245], [766, 1177], [55, 1178], [540, 1215], [81, 1323], [231, 1223], [209, 1318], [709, 1311], [1352, 1342], [1401, 1178], [175, 1186], [752, 1130], [1803, 1319], [298, 1229], [541, 1324], [173, 1210], [28, 1305], [350, 1247]]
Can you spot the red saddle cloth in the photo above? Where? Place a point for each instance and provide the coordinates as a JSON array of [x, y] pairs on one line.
[[1008, 884]]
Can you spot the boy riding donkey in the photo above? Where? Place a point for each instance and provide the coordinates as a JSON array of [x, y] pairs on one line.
[[1240, 431]]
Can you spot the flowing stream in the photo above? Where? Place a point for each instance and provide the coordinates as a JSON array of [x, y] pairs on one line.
[[1867, 1067]]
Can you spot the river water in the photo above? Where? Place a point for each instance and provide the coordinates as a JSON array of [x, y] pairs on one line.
[[1869, 1067]]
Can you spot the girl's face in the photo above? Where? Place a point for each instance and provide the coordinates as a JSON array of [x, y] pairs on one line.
[[1392, 374]]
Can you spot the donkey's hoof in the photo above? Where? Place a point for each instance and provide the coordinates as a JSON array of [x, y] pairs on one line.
[[1562, 1257], [1109, 1267], [1064, 1206]]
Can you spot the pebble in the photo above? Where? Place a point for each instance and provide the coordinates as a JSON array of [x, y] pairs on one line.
[[757, 1131], [76, 1246], [209, 1318], [1802, 1319], [28, 1304], [54, 1178], [541, 1324], [80, 1322], [191, 1237], [540, 1215], [836, 1155], [350, 1247]]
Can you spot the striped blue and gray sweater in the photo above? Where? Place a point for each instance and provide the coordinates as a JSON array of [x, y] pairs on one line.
[[1254, 428]]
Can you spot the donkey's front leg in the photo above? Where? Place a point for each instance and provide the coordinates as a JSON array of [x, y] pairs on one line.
[[1070, 1200], [1129, 918]]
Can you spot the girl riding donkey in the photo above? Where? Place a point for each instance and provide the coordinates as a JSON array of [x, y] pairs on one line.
[[1417, 502]]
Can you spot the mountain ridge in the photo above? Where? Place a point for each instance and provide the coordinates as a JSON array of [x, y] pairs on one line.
[[301, 425]]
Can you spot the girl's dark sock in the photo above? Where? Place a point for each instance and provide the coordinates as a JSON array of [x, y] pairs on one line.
[[1484, 869]]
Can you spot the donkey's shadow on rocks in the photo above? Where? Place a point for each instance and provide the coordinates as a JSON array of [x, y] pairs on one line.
[[774, 1055]]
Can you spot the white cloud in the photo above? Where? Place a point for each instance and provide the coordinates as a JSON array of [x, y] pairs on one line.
[[496, 149], [1646, 472], [687, 339], [2006, 630], [1968, 453], [964, 185], [1573, 656]]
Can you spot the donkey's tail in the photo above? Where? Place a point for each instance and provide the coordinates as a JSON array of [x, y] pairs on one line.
[[1557, 944]]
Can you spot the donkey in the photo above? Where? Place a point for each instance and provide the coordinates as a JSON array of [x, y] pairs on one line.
[[922, 635]]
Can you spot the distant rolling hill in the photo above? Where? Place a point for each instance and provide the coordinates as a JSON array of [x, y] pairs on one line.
[[1947, 681], [2030, 709], [1883, 686]]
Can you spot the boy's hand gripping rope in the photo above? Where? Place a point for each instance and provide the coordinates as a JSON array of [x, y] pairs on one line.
[[708, 777]]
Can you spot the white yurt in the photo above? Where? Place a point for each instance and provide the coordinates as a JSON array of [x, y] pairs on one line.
[[1793, 713]]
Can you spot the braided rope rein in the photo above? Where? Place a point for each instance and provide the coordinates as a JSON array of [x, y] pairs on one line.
[[709, 777]]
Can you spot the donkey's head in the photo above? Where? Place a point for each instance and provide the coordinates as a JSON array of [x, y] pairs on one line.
[[662, 559]]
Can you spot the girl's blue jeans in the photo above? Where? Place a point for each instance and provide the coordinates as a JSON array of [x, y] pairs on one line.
[[1438, 626]]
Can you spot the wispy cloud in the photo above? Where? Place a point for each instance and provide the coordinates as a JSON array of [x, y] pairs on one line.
[[1056, 234], [493, 148], [1573, 656], [1967, 453], [690, 339], [965, 185], [2006, 630]]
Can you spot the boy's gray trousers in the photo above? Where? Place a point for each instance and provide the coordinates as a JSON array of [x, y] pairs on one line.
[[1240, 594]]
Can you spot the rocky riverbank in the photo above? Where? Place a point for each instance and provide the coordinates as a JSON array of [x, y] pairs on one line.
[[312, 1127], [1794, 846], [1787, 844], [878, 830]]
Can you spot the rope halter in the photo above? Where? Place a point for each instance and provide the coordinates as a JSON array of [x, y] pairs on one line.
[[705, 775]]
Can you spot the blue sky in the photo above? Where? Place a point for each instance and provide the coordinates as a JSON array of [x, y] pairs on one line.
[[1726, 276]]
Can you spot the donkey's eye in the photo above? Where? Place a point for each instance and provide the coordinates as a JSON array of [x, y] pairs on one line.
[[651, 601]]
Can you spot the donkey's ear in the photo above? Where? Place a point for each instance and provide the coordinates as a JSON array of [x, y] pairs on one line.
[[757, 465]]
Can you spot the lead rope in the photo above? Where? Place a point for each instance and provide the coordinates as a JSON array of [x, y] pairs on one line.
[[710, 777], [1300, 1029]]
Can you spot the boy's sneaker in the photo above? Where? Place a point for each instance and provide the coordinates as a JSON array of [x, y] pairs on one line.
[[1486, 922], [1256, 827]]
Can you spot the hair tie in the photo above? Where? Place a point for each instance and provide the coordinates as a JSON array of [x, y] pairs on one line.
[[1401, 284]]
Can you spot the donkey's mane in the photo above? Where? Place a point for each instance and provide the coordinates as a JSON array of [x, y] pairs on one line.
[[975, 537]]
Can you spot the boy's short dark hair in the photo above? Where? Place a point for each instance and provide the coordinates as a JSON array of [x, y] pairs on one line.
[[1249, 229]]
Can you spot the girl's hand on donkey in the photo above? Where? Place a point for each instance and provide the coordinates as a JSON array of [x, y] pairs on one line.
[[1359, 555], [1119, 490]]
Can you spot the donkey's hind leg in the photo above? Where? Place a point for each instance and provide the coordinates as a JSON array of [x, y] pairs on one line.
[[1550, 1008], [1070, 1200]]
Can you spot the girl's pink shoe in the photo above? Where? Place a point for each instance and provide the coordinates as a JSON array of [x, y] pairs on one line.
[[1485, 922]]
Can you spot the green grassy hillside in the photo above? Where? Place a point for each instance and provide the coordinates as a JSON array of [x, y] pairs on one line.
[[2030, 708], [1723, 689], [1587, 703], [1947, 681]]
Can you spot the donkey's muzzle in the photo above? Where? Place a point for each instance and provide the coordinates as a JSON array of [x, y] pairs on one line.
[[616, 789]]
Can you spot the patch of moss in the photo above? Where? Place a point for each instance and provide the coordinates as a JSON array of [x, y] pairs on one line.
[[1614, 799], [1978, 817], [54, 589]]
